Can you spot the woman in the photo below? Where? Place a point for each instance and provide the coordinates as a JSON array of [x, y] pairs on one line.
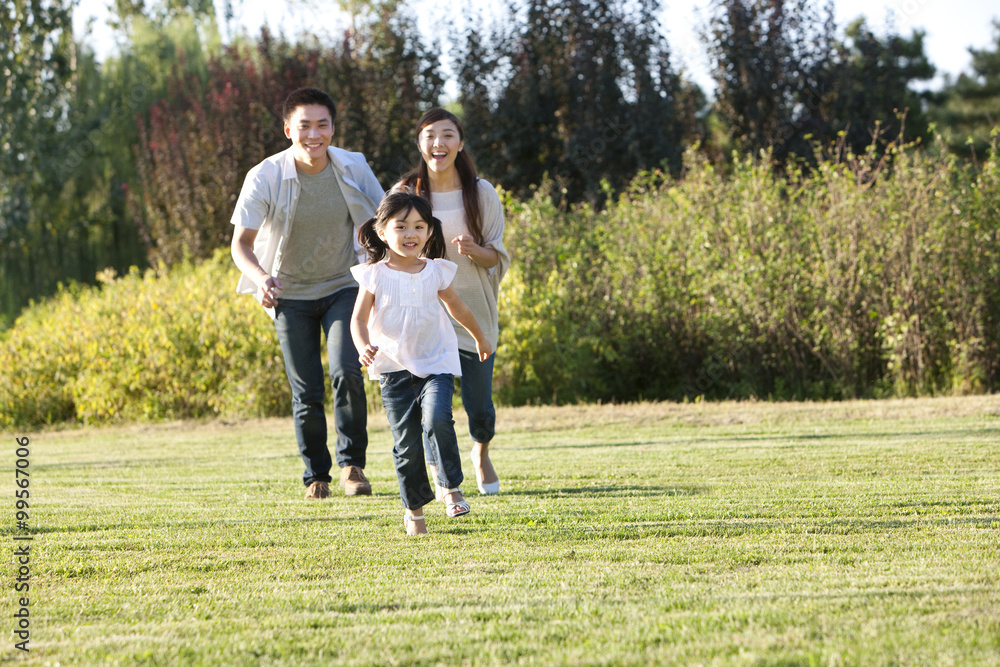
[[472, 219]]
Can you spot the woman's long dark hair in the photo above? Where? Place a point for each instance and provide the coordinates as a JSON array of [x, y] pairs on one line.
[[397, 206], [418, 178]]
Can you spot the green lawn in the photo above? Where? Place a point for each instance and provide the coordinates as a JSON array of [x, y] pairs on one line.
[[862, 533]]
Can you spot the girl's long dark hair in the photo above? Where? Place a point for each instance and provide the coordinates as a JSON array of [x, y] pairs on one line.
[[396, 206], [418, 179]]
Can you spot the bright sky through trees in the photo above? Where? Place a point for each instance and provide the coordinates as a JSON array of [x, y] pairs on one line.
[[952, 26]]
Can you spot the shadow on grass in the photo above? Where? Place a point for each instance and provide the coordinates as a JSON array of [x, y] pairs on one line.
[[742, 528], [584, 529], [799, 437], [617, 491], [278, 522]]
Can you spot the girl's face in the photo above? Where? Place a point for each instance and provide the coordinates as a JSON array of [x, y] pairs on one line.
[[440, 143], [407, 236]]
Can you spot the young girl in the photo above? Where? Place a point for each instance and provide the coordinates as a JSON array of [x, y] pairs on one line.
[[408, 344]]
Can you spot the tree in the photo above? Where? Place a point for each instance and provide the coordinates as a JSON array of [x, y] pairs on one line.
[[199, 141], [769, 57], [873, 87], [579, 91], [971, 107], [36, 61], [384, 78], [786, 81], [69, 122]]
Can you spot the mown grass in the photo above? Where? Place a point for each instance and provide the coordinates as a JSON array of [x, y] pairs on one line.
[[858, 533]]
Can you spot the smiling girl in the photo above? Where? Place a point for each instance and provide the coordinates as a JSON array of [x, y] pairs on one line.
[[404, 337]]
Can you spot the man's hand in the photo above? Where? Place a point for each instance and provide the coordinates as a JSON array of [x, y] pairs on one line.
[[270, 291]]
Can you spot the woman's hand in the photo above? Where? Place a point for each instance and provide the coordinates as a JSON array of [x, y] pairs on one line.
[[481, 255], [466, 245]]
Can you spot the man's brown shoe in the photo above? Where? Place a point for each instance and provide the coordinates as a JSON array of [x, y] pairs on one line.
[[318, 491], [353, 479]]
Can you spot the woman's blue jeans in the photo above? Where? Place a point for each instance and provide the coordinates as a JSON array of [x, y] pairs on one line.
[[420, 408], [477, 399], [300, 325]]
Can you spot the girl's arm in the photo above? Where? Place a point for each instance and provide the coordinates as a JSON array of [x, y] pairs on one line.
[[359, 327], [457, 308]]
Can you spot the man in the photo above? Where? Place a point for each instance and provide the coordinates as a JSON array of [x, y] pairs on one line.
[[295, 243]]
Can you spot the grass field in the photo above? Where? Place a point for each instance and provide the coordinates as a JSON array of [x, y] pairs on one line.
[[860, 533]]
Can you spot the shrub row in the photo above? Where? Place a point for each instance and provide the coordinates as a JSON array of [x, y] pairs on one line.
[[873, 275], [164, 344]]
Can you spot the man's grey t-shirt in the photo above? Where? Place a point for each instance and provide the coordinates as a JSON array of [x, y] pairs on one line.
[[319, 253]]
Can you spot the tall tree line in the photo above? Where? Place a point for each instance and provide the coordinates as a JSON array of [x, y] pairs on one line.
[[968, 110], [582, 93], [138, 159], [198, 142], [786, 81]]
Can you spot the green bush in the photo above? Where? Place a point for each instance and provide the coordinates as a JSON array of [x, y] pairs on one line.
[[160, 345], [871, 275]]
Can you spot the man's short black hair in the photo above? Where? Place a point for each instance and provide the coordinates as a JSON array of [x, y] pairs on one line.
[[304, 97]]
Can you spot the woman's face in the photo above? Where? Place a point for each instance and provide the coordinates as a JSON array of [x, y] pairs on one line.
[[440, 144]]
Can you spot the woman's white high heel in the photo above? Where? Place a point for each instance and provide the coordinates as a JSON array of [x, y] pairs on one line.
[[491, 489]]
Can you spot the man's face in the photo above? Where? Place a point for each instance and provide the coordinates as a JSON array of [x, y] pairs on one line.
[[310, 128]]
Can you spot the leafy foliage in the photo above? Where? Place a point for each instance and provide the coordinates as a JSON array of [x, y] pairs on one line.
[[844, 281], [971, 107], [148, 346], [785, 79], [207, 132], [850, 280], [72, 220], [578, 90], [36, 55]]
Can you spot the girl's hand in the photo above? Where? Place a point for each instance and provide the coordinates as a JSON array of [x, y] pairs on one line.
[[466, 245], [368, 356], [484, 349]]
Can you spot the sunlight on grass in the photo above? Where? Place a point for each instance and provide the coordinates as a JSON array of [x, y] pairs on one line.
[[736, 533]]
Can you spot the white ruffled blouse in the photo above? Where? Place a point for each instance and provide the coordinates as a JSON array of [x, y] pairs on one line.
[[408, 323]]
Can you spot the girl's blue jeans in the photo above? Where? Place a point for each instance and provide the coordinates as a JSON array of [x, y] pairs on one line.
[[420, 408], [477, 399]]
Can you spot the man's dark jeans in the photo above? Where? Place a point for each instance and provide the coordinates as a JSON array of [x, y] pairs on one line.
[[300, 325]]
